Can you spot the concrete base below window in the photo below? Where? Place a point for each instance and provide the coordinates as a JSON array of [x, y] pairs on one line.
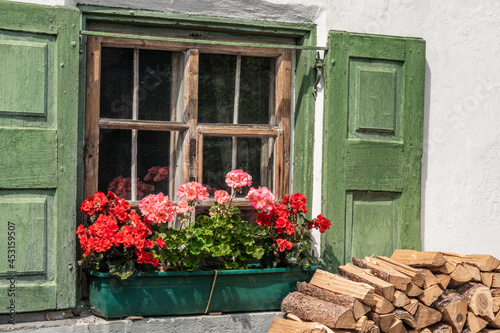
[[257, 322]]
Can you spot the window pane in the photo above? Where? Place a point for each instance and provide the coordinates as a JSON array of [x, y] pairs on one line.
[[256, 93], [114, 162], [117, 71], [155, 76], [216, 88], [153, 162], [253, 155]]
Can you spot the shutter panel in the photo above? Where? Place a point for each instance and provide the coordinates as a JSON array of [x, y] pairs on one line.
[[38, 149], [372, 144]]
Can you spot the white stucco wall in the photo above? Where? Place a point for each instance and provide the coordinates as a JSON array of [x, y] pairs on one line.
[[461, 163]]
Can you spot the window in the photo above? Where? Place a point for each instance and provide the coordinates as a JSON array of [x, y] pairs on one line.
[[160, 113]]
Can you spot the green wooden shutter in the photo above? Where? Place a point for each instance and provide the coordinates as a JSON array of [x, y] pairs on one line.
[[372, 144], [38, 149]]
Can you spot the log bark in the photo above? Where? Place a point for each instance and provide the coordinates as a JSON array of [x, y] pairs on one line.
[[440, 328], [419, 259], [333, 282], [347, 301], [426, 316], [312, 309], [453, 307], [406, 317], [399, 280], [354, 273]]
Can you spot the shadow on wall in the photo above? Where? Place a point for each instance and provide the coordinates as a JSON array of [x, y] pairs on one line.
[[427, 150], [293, 11]]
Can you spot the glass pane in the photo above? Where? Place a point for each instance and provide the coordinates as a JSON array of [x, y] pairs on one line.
[[114, 162], [153, 162], [155, 76], [117, 71], [256, 93], [253, 155], [216, 88]]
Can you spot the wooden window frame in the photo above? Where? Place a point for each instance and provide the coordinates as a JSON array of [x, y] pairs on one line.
[[191, 160]]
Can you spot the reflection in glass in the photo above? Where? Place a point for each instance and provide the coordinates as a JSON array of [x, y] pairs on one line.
[[153, 162], [114, 162], [255, 90], [117, 72], [252, 156], [216, 88], [155, 75]]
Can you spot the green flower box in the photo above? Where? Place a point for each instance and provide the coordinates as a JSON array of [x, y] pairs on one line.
[[181, 293]]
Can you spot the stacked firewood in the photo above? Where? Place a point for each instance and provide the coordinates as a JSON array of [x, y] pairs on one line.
[[432, 292]]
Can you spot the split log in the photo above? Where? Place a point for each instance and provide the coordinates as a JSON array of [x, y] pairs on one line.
[[375, 329], [453, 307], [440, 328], [475, 323], [426, 316], [444, 280], [354, 273], [446, 268], [333, 282], [429, 279], [362, 325], [412, 307], [312, 309], [385, 273], [419, 259], [400, 299], [280, 325], [474, 272], [495, 292], [396, 327], [358, 309], [496, 304], [384, 322], [495, 283], [416, 275], [430, 295], [382, 305], [487, 278], [459, 276], [484, 262], [412, 290], [479, 299], [406, 317]]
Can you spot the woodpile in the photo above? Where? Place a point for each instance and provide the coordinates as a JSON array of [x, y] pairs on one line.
[[428, 292]]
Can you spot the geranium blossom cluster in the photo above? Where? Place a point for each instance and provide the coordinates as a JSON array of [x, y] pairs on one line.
[[114, 225], [192, 192], [283, 220], [238, 178], [157, 208], [261, 198]]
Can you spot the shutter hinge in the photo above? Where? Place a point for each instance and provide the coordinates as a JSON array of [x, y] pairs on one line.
[[318, 65]]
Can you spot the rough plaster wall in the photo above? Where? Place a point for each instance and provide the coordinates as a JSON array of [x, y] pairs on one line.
[[461, 163]]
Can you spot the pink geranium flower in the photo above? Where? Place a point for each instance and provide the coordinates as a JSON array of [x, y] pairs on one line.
[[192, 191], [238, 178], [261, 198], [222, 197], [157, 208], [183, 207]]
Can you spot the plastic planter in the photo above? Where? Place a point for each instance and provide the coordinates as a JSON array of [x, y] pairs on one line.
[[180, 293]]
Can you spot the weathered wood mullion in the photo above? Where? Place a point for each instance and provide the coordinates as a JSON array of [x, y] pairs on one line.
[[191, 115], [283, 105], [247, 131], [150, 125], [92, 102], [236, 108], [135, 116]]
